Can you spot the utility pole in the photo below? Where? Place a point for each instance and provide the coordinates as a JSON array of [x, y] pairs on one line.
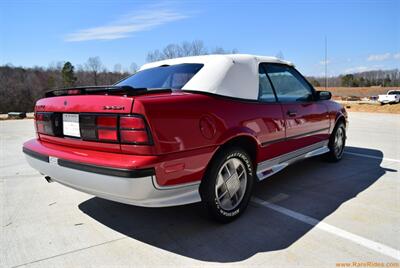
[[326, 63]]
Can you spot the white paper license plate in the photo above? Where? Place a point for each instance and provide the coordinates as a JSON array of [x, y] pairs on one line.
[[71, 125]]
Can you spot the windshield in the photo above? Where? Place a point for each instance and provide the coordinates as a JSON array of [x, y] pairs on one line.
[[166, 76], [394, 93]]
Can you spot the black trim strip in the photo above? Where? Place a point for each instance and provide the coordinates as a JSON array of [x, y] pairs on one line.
[[307, 134], [294, 137], [36, 155], [273, 141], [117, 172]]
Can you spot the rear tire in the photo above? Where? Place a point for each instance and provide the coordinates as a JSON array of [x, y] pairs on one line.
[[337, 142], [227, 186]]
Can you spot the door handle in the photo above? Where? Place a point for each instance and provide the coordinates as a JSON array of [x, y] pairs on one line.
[[291, 113]]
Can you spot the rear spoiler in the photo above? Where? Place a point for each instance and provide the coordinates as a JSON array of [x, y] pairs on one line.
[[86, 90], [125, 90]]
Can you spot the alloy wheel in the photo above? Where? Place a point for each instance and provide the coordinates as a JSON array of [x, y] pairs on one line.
[[339, 141], [231, 184]]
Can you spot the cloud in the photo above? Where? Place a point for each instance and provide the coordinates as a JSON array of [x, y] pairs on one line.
[[379, 57], [396, 56], [360, 69], [323, 62], [128, 24], [357, 69]]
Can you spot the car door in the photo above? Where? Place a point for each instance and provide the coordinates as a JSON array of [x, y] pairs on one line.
[[272, 121], [306, 119]]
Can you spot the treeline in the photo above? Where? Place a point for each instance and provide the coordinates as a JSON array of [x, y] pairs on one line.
[[185, 49], [384, 78], [21, 87]]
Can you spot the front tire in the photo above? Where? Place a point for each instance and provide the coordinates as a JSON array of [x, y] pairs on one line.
[[227, 186], [337, 142]]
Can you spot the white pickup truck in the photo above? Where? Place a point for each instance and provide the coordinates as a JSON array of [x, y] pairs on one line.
[[392, 96]]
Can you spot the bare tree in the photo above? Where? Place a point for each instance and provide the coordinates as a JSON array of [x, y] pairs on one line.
[[220, 50], [187, 49], [198, 48], [56, 65], [193, 48], [117, 68], [172, 51], [94, 66], [154, 55], [133, 68]]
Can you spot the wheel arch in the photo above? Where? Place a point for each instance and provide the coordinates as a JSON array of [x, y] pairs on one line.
[[245, 141], [340, 118]]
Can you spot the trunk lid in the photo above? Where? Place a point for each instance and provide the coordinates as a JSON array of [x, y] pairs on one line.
[[53, 110], [101, 120]]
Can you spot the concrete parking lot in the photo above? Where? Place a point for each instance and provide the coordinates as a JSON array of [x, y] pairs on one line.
[[313, 214]]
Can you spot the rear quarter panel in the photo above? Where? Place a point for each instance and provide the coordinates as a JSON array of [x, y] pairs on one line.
[[186, 121], [187, 129]]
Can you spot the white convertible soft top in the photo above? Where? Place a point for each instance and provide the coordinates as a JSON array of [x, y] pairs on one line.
[[233, 75]]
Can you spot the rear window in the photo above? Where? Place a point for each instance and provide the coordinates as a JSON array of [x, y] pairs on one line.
[[166, 76]]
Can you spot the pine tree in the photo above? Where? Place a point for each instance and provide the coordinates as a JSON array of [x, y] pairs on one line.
[[68, 75]]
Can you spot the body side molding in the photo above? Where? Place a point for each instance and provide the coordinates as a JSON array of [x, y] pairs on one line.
[[269, 167]]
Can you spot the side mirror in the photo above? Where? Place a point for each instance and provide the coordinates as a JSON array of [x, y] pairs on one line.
[[324, 95]]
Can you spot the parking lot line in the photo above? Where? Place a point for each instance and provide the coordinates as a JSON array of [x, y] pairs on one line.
[[374, 157], [378, 247], [68, 252]]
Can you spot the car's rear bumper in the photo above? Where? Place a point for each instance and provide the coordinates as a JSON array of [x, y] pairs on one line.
[[131, 186]]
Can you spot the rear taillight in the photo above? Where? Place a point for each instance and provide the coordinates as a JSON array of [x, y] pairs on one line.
[[107, 128], [48, 123], [132, 122], [113, 128], [133, 129], [99, 127]]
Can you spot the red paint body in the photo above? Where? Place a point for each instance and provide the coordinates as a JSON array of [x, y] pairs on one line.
[[187, 129]]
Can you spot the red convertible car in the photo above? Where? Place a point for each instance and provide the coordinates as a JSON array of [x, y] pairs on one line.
[[185, 130]]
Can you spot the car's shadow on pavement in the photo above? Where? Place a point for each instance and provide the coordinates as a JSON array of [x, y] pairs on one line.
[[312, 187]]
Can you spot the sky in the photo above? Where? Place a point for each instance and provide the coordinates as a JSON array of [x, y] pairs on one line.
[[361, 35]]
